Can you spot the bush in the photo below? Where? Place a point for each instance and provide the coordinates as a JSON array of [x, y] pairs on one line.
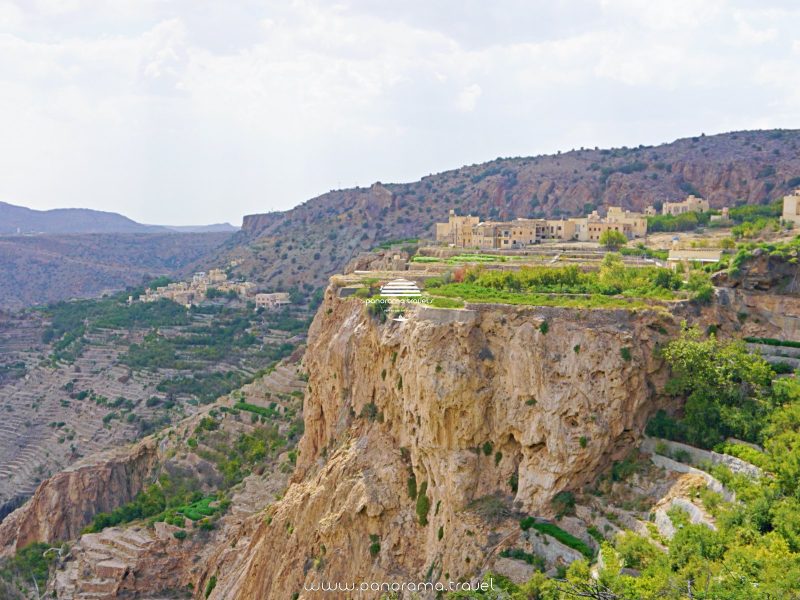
[[423, 504], [29, 563], [212, 583], [519, 554], [745, 453], [374, 545], [369, 411], [612, 239], [490, 508], [411, 486], [564, 504]]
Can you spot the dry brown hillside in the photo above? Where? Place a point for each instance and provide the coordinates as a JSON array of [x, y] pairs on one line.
[[308, 243]]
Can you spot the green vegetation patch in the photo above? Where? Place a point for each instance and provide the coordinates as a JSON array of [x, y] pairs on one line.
[[259, 410], [613, 285], [772, 342], [29, 564], [441, 302], [728, 391], [519, 554], [556, 532]]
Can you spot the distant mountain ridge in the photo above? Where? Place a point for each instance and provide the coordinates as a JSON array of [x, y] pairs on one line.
[[305, 245], [37, 269], [213, 228], [21, 220]]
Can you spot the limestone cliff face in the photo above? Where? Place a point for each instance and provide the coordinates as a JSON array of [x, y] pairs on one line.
[[65, 503], [463, 402]]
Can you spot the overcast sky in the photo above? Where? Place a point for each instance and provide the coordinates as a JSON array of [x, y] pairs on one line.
[[196, 111]]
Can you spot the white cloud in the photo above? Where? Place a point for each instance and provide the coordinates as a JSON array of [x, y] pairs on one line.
[[468, 98], [170, 114]]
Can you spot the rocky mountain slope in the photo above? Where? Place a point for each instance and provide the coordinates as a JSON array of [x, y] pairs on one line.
[[50, 268], [480, 407], [425, 443], [18, 219], [316, 239]]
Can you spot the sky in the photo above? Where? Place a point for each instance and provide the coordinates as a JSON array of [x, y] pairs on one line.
[[197, 111]]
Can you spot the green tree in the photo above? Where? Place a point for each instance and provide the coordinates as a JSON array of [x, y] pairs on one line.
[[727, 388], [612, 239]]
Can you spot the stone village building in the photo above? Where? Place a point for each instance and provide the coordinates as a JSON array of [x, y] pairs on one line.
[[467, 231], [791, 207]]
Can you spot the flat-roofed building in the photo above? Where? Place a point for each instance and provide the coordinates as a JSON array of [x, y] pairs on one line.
[[691, 204], [485, 235], [457, 231], [272, 300], [791, 207], [636, 222], [216, 276]]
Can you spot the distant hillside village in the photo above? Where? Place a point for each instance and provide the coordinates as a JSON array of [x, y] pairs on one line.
[[214, 284], [470, 232], [467, 231]]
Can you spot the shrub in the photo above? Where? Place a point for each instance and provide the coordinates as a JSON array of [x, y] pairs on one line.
[[563, 503], [746, 453], [519, 554], [544, 327], [682, 456], [513, 482], [782, 368], [487, 448], [411, 486], [440, 533], [180, 534], [612, 239], [212, 583], [626, 354], [374, 544], [423, 504], [369, 411], [490, 508]]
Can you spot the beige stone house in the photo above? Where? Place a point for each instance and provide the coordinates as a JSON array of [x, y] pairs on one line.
[[272, 300], [791, 207], [691, 204]]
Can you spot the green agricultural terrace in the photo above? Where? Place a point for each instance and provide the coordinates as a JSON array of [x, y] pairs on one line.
[[613, 285]]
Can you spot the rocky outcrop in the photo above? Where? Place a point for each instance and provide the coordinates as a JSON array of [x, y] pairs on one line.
[[763, 272], [64, 504], [382, 260], [488, 415]]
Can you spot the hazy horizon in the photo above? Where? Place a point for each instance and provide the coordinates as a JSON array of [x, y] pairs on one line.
[[171, 115]]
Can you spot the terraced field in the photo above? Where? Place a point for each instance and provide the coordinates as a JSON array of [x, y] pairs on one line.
[[124, 559], [112, 385]]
